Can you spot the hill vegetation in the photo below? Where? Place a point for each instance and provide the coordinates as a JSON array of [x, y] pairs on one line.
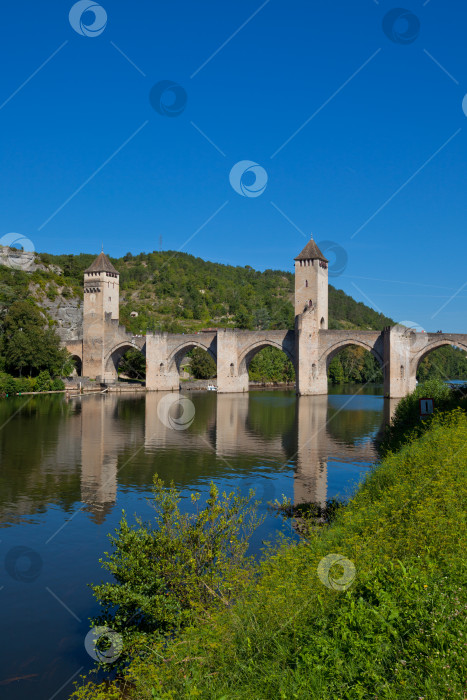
[[177, 292]]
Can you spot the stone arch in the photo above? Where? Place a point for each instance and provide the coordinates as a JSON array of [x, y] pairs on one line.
[[443, 342], [177, 355], [113, 357], [248, 354], [78, 364], [331, 352]]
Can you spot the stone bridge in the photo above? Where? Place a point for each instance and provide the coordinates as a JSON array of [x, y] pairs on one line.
[[310, 346], [398, 351], [232, 351]]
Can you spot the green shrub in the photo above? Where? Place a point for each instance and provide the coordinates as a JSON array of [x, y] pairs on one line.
[[171, 570], [7, 385], [43, 381], [57, 384], [23, 384], [406, 420]]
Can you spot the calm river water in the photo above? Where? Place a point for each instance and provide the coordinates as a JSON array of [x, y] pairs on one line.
[[68, 468]]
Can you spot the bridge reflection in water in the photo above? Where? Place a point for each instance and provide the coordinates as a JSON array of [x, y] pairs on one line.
[[97, 449], [293, 436]]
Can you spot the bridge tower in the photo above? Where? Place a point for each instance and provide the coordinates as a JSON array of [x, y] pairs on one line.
[[101, 303], [311, 284], [311, 316]]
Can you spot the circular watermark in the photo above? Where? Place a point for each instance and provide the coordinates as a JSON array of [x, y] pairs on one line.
[[408, 327], [88, 18], [168, 98], [336, 572], [464, 105], [415, 334], [103, 644], [248, 178], [23, 564], [337, 256], [20, 251], [176, 412], [401, 26]]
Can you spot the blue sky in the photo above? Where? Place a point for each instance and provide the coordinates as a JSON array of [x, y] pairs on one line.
[[377, 166]]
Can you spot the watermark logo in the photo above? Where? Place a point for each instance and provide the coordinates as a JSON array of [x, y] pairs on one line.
[[168, 98], [408, 327], [103, 644], [248, 178], [176, 412], [415, 334], [336, 572], [23, 564], [20, 251], [337, 256], [88, 18], [401, 26], [464, 105]]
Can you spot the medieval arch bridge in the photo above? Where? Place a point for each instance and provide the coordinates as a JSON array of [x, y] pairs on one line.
[[311, 346]]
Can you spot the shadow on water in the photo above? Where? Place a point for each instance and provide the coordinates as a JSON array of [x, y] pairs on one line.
[[69, 467]]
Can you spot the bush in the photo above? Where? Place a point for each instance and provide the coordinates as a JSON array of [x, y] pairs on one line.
[[23, 384], [170, 571], [43, 381], [7, 385], [406, 420], [57, 384]]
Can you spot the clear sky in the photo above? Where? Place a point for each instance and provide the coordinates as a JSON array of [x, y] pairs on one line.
[[354, 113]]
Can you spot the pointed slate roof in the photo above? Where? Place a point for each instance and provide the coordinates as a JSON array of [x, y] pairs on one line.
[[102, 264], [311, 252]]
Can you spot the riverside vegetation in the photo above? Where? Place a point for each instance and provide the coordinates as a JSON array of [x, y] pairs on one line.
[[276, 629]]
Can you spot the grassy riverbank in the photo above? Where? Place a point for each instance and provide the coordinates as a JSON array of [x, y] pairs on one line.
[[388, 622]]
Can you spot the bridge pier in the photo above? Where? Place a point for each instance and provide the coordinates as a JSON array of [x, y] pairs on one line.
[[159, 375], [230, 377], [310, 372]]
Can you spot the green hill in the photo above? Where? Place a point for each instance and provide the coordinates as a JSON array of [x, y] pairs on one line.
[[177, 292]]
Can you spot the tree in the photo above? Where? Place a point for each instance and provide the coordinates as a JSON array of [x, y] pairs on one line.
[[336, 372], [243, 319], [27, 345], [202, 365], [133, 364]]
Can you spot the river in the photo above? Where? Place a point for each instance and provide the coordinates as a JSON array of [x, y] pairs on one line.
[[69, 467]]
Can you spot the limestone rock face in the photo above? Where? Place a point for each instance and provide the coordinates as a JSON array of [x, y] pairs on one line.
[[68, 315], [25, 261]]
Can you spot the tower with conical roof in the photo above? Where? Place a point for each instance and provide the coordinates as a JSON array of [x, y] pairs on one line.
[[101, 305], [311, 284]]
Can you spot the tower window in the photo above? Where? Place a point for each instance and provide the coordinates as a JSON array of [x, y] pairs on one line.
[[306, 283], [110, 298]]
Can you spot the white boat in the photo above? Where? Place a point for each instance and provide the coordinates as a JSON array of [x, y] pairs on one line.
[[211, 387]]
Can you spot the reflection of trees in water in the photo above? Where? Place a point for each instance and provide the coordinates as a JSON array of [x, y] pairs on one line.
[[26, 487], [271, 414], [352, 426], [61, 452]]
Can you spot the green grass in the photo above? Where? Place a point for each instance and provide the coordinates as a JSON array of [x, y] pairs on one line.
[[398, 631]]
